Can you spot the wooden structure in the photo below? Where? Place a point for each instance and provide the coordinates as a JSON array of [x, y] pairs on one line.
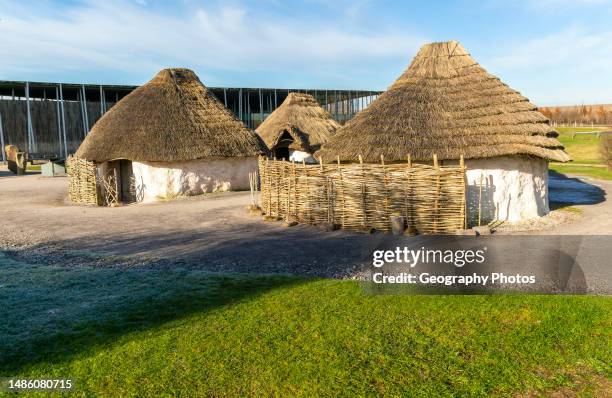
[[88, 185], [298, 128], [447, 104], [82, 185], [362, 196], [17, 161]]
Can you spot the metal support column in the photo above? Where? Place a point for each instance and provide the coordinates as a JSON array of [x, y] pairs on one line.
[[102, 108], [336, 104], [2, 140], [270, 103], [59, 120], [225, 96], [240, 105], [61, 96], [249, 118], [84, 106], [261, 112], [29, 120], [275, 100]]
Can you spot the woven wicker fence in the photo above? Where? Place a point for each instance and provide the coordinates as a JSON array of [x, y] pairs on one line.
[[355, 196], [82, 186]]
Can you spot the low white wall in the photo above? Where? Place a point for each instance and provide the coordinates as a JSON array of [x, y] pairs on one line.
[[298, 156], [164, 179], [514, 188]]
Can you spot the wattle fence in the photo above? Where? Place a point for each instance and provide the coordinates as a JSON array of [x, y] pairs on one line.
[[359, 196], [82, 184]]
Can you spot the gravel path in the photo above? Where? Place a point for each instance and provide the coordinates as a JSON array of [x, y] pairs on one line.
[[213, 233]]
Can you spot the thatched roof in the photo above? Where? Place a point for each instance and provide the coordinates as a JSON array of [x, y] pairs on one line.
[[445, 103], [173, 117], [301, 116]]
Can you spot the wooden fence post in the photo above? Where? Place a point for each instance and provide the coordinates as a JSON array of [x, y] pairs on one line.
[[437, 199], [463, 207], [269, 178], [342, 194], [288, 200], [408, 194], [295, 191], [480, 200], [363, 193], [386, 201], [308, 202], [327, 192]]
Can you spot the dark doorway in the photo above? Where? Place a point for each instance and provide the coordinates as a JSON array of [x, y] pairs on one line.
[[281, 153], [126, 181], [281, 150]]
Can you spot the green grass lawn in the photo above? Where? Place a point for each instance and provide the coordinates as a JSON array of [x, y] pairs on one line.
[[585, 150], [601, 173], [130, 332]]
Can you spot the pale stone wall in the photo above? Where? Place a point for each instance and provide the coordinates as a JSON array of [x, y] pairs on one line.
[[164, 179], [514, 188], [298, 156]]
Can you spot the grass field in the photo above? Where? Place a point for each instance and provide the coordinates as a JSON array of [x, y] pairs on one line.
[[585, 151], [136, 332], [589, 171]]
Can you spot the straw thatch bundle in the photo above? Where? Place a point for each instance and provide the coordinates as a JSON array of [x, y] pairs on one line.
[[445, 103], [171, 118], [301, 116]]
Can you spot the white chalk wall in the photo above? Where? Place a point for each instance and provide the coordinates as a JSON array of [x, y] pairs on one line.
[[163, 179], [299, 156], [514, 188]]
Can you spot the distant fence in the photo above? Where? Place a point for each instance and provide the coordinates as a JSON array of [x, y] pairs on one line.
[[430, 198]]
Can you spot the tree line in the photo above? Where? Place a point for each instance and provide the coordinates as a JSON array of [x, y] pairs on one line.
[[580, 115]]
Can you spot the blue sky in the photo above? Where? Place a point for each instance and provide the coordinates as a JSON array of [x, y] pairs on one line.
[[554, 51]]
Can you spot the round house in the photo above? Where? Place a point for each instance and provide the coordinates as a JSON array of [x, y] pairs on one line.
[[171, 137], [297, 128], [446, 104]]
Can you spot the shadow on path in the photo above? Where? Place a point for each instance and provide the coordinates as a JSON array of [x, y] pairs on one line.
[[569, 190]]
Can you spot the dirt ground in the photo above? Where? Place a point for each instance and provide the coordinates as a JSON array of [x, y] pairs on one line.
[[214, 232]]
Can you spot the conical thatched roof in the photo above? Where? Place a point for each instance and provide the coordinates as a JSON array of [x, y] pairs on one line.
[[173, 117], [301, 116], [445, 103]]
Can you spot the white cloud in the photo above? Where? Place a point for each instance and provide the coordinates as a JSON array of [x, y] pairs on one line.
[[572, 48], [125, 36], [566, 67]]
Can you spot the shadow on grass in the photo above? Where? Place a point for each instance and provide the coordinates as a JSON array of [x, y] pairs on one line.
[[52, 314], [58, 300]]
